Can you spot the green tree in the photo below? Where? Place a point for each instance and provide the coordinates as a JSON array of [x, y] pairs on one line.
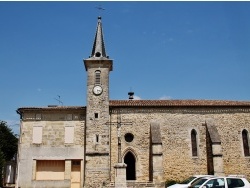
[[8, 146]]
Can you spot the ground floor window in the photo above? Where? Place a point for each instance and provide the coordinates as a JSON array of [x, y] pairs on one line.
[[50, 169]]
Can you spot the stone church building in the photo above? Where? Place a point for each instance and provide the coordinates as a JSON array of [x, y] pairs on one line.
[[137, 143]]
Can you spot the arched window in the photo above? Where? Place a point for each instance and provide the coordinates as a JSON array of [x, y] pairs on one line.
[[245, 142], [97, 77], [194, 143]]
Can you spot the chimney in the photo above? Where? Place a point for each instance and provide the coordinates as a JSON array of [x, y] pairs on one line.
[[131, 95]]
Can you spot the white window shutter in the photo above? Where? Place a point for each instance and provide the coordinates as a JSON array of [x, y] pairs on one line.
[[69, 134], [37, 134]]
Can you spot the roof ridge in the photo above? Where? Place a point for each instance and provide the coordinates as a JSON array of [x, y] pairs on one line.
[[177, 102]]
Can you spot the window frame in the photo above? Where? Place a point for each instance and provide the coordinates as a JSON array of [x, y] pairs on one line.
[[69, 134], [47, 170], [221, 182], [236, 182], [37, 134]]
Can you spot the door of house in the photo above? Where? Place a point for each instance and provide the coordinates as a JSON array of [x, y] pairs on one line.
[[75, 174]]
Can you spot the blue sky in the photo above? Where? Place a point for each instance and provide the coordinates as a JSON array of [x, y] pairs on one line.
[[161, 50]]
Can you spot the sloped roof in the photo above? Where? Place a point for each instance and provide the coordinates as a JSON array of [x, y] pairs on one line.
[[177, 103], [98, 55], [99, 46], [152, 103], [51, 108], [98, 50]]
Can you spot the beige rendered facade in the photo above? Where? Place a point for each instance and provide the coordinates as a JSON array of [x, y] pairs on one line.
[[144, 141]]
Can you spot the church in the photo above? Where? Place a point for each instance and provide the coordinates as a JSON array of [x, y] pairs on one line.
[[129, 143]]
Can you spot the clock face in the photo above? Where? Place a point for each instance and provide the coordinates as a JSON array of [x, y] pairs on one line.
[[97, 90]]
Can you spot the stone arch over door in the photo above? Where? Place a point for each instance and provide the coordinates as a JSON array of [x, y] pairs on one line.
[[130, 160]]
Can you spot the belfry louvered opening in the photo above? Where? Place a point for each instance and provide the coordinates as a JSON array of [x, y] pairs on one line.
[[97, 77]]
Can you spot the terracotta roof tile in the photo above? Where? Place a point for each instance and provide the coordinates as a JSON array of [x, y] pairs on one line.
[[53, 108], [177, 103], [153, 103]]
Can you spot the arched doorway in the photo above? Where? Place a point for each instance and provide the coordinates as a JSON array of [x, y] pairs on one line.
[[129, 159]]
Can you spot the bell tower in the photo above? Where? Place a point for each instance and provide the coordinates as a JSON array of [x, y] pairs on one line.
[[97, 146]]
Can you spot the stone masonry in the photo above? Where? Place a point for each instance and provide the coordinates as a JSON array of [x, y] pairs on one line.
[[161, 140], [53, 147], [176, 125]]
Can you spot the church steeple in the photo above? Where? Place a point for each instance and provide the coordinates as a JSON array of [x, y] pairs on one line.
[[97, 147], [98, 49]]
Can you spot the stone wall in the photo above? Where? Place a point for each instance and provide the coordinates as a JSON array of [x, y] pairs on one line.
[[176, 125], [53, 131], [52, 147], [97, 164], [139, 146]]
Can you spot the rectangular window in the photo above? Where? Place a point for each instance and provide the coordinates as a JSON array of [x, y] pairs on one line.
[[69, 117], [96, 115], [38, 117], [50, 169], [37, 134], [69, 134], [97, 138]]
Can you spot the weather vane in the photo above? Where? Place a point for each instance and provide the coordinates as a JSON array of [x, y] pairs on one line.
[[100, 7]]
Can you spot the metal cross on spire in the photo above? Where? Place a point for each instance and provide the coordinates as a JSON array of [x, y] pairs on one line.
[[100, 7]]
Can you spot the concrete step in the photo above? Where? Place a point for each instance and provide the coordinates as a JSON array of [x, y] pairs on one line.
[[135, 184]]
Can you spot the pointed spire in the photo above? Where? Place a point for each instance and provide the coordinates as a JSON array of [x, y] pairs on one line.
[[98, 49], [98, 56]]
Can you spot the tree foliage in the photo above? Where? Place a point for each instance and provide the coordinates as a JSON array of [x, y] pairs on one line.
[[8, 141], [8, 145]]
